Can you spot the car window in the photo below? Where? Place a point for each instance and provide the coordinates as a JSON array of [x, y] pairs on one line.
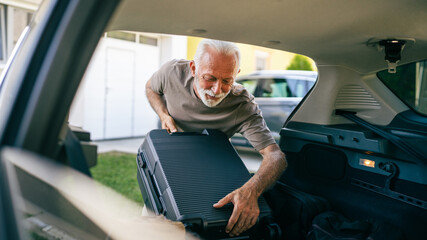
[[250, 85], [409, 83], [275, 88], [299, 88]]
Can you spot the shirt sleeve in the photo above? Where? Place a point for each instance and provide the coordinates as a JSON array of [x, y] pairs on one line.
[[159, 78], [253, 126]]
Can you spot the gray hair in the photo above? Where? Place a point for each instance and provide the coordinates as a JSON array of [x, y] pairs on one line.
[[227, 48]]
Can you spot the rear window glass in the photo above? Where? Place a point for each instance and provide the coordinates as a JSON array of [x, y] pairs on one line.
[[250, 85], [409, 83], [277, 87], [300, 87]]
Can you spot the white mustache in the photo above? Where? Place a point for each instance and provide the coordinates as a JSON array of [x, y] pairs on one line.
[[212, 94]]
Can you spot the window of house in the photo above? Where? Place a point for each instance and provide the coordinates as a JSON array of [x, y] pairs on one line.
[[133, 37], [261, 60], [21, 19], [3, 54], [409, 83], [260, 63], [147, 40], [126, 36], [17, 20]]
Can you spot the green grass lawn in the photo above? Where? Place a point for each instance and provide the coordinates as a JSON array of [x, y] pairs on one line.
[[118, 171]]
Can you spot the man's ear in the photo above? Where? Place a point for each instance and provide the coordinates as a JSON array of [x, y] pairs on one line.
[[238, 71], [193, 68]]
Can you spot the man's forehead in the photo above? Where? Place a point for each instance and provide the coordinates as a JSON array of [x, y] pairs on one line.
[[218, 62]]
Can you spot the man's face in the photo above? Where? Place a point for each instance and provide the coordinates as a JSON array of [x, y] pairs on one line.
[[214, 77]]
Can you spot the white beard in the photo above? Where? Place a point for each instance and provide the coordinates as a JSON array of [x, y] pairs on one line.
[[202, 94]]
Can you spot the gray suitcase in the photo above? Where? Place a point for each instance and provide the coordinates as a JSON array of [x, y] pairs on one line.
[[181, 175]]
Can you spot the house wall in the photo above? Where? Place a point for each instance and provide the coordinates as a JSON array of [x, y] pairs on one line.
[[14, 17], [26, 4], [111, 101]]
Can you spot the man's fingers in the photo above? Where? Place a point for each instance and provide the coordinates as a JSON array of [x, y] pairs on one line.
[[243, 224], [169, 125], [245, 212], [231, 226], [247, 224], [253, 221], [237, 229], [172, 129], [223, 201], [250, 222]]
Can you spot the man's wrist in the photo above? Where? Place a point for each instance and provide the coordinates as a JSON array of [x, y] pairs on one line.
[[254, 187], [164, 116]]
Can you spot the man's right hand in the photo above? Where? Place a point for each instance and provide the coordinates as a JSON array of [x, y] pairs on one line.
[[159, 106], [169, 124]]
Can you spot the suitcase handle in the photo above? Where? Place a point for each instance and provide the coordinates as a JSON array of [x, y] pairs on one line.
[[150, 180], [193, 222], [152, 198], [203, 133], [159, 208], [158, 194]]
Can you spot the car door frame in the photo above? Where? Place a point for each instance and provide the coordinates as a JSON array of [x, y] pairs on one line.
[[40, 81], [54, 53]]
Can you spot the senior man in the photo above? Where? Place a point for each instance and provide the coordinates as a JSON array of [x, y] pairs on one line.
[[199, 94]]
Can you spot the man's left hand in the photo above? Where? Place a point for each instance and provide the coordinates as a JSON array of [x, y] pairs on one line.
[[245, 211]]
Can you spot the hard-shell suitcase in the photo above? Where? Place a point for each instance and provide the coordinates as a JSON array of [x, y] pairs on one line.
[[181, 176]]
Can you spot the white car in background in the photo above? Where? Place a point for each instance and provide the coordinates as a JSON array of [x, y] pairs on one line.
[[277, 93]]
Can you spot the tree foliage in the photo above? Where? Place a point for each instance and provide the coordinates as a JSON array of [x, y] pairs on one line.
[[300, 62]]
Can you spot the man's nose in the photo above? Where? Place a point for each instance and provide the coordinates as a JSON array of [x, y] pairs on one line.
[[216, 87]]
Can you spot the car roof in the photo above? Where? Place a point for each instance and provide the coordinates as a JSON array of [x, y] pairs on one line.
[[295, 74], [334, 32]]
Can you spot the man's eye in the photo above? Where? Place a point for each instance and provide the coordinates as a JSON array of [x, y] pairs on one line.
[[210, 79], [227, 81]]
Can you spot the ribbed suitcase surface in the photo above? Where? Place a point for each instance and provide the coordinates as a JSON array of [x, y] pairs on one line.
[[192, 172]]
